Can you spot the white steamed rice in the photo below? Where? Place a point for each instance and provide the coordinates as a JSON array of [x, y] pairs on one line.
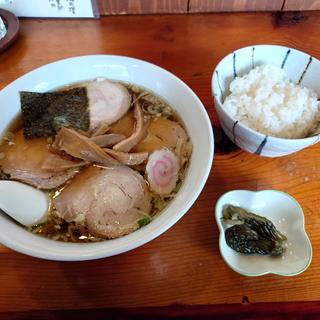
[[266, 101]]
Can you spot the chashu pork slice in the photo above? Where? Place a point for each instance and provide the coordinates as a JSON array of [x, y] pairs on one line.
[[165, 133], [30, 161], [110, 202], [108, 102]]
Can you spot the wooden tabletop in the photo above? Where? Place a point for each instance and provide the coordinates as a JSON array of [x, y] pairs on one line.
[[183, 265]]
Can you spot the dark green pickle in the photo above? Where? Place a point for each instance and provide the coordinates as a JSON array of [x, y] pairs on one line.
[[252, 234]]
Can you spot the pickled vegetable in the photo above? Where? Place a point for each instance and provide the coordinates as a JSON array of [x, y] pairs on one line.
[[251, 233]]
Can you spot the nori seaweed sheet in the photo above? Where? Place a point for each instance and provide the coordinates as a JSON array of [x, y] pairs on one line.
[[44, 113]]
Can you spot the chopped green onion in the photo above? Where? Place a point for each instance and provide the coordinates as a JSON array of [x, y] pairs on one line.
[[144, 221]]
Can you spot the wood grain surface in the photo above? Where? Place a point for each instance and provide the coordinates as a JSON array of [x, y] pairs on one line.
[[243, 311], [183, 265], [113, 7], [301, 5], [234, 5]]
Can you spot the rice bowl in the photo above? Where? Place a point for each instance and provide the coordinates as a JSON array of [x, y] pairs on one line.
[[267, 101], [301, 68]]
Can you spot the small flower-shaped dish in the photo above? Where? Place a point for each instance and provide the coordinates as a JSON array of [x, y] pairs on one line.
[[287, 216]]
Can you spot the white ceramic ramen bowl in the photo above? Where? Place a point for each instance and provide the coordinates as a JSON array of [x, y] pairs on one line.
[[300, 67], [286, 214], [141, 73]]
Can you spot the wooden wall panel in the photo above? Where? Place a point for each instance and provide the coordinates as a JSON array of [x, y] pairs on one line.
[[302, 5], [234, 5], [113, 7]]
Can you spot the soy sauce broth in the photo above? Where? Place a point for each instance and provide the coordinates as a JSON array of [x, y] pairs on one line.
[[155, 110]]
